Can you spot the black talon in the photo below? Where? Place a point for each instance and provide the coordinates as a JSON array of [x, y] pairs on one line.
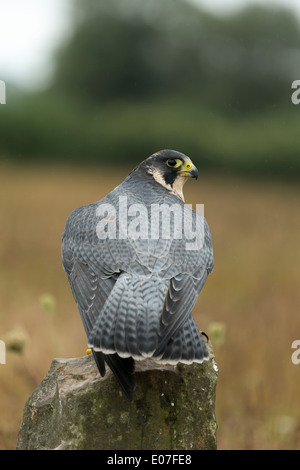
[[204, 334]]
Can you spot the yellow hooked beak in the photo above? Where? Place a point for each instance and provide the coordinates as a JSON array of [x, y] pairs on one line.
[[189, 169]]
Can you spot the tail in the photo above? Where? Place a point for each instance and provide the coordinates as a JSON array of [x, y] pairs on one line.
[[128, 323], [126, 328], [122, 368]]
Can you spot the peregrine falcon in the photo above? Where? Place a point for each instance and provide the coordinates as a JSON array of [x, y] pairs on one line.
[[136, 261]]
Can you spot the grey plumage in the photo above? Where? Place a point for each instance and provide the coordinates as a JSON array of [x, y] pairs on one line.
[[135, 295]]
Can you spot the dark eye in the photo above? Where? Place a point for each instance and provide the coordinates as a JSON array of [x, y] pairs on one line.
[[172, 162]]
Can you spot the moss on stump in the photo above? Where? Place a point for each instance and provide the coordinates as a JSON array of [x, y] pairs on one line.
[[74, 408]]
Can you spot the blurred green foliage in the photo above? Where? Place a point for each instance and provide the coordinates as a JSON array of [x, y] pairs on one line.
[[47, 302], [134, 77]]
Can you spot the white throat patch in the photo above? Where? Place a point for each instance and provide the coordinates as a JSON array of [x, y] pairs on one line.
[[176, 188]]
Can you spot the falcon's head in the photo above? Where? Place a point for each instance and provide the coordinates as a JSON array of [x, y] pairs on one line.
[[171, 169]]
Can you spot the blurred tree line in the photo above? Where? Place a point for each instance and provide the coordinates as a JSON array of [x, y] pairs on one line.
[[135, 77]]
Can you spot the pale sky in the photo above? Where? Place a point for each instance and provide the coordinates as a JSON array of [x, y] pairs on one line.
[[30, 30]]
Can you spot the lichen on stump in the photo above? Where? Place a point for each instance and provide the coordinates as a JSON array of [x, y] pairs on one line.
[[74, 408]]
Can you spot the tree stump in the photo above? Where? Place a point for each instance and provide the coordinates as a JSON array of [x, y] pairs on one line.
[[74, 408]]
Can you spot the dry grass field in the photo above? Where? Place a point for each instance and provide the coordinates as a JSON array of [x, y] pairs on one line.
[[253, 294]]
